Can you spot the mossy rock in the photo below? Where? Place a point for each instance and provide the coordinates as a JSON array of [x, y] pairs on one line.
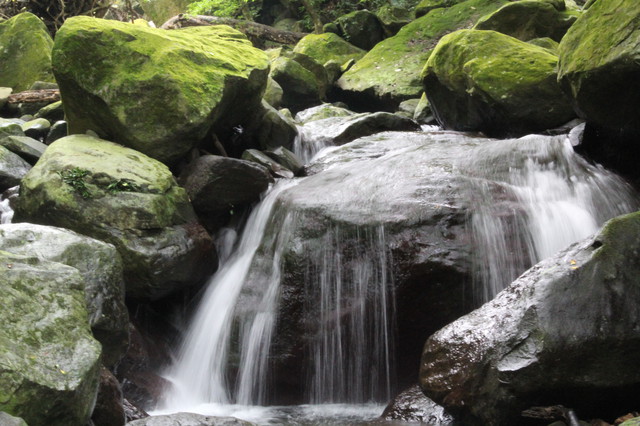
[[118, 195], [599, 66], [546, 43], [300, 86], [12, 169], [100, 266], [393, 18], [426, 6], [25, 52], [390, 72], [328, 47], [157, 91], [49, 363], [529, 19], [361, 28], [487, 81]]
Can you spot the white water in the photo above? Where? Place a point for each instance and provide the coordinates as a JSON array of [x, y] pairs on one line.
[[6, 213], [533, 197], [199, 375]]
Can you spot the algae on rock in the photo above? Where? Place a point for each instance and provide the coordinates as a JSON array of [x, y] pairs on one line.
[[25, 52], [157, 91]]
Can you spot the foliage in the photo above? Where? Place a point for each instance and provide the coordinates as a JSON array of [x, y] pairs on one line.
[[54, 12], [248, 9], [122, 185], [75, 178]]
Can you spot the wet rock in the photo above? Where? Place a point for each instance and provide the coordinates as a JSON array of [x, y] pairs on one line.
[[36, 128], [97, 262], [121, 196], [12, 169], [287, 159], [487, 81], [58, 130], [321, 112], [189, 419], [109, 410], [301, 87], [564, 333], [220, 187], [275, 168], [50, 362], [28, 148], [362, 28], [273, 129], [529, 19], [26, 51], [132, 412], [413, 406], [167, 89]]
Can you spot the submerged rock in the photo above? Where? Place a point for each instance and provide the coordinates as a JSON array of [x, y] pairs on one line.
[[566, 332], [49, 362], [159, 92], [118, 195], [99, 265], [26, 52], [487, 81]]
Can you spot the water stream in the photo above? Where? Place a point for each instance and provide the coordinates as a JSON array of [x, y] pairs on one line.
[[6, 212]]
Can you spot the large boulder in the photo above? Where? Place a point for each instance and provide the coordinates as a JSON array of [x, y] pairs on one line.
[[566, 332], [362, 28], [390, 72], [159, 92], [118, 195], [220, 187], [301, 86], [529, 19], [25, 52], [487, 81], [328, 47], [49, 363], [599, 69], [100, 266]]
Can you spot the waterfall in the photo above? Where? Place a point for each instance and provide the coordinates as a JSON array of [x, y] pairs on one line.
[[6, 212], [532, 197], [199, 375]]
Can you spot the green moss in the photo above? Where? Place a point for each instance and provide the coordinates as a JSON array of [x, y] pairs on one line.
[[391, 70], [546, 43], [327, 47], [25, 52], [154, 90]]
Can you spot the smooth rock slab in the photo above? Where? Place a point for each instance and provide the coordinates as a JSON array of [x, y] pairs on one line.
[[49, 363], [100, 266], [188, 419], [118, 195], [566, 332]]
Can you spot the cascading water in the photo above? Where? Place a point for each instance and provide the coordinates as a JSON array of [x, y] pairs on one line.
[[533, 197], [6, 212]]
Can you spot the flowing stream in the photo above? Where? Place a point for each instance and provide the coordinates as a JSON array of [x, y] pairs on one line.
[[6, 213], [525, 199]]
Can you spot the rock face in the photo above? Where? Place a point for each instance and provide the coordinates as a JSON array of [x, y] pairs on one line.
[[99, 265], [118, 195], [220, 187], [328, 47], [487, 81], [159, 92], [529, 19], [26, 52], [566, 332], [598, 66], [390, 72], [49, 362]]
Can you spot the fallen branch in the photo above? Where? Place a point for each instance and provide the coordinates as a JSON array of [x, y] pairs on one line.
[[253, 30], [31, 96]]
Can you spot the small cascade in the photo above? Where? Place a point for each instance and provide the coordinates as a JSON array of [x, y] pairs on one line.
[[6, 212], [200, 374], [532, 197], [351, 297]]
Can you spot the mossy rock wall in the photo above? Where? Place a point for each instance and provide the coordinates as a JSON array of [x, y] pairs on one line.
[[25, 52], [49, 363], [157, 91], [390, 72], [120, 196], [599, 66], [487, 81]]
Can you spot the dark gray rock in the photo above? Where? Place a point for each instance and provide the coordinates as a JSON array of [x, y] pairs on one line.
[[275, 168], [37, 128], [566, 332], [361, 28], [412, 406], [287, 159], [28, 148], [58, 130], [12, 168], [109, 410]]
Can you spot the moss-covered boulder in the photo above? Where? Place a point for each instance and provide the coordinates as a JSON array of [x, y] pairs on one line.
[[300, 86], [362, 28], [487, 81], [49, 363], [426, 6], [157, 91], [328, 47], [599, 66], [25, 52], [529, 19], [120, 196], [99, 265], [390, 72], [566, 332], [393, 18]]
